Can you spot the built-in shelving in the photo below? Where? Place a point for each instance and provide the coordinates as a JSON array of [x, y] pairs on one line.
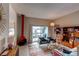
[[70, 36]]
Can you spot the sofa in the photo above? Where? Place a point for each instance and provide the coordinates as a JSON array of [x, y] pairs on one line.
[[44, 40]]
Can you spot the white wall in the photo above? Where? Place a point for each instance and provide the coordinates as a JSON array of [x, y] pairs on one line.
[[18, 26], [13, 24], [69, 20], [28, 24], [4, 25], [9, 19]]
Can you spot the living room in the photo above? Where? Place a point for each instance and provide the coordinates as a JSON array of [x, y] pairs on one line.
[[69, 19], [45, 29]]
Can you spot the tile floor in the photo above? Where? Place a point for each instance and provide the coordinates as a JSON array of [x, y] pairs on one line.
[[33, 49]]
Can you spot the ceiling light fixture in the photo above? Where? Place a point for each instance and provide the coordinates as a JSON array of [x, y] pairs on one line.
[[52, 24]]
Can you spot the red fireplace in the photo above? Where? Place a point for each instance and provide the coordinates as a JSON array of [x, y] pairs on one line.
[[22, 40]]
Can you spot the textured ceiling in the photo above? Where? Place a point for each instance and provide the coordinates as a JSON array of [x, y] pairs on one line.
[[46, 11]]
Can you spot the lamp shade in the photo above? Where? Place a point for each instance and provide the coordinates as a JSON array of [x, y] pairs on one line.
[[52, 24]]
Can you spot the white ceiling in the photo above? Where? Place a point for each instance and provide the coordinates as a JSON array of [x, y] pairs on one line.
[[45, 10]]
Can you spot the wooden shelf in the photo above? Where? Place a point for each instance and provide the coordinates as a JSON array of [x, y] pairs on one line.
[[69, 36], [70, 45], [76, 34]]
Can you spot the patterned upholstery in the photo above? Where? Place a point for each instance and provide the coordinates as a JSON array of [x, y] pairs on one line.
[[56, 53]]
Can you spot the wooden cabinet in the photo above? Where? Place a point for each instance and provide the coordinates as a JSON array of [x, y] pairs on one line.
[[76, 34], [69, 36]]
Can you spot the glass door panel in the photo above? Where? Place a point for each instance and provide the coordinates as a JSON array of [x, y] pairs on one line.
[[39, 31]]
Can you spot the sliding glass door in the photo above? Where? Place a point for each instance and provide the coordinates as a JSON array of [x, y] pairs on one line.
[[39, 31]]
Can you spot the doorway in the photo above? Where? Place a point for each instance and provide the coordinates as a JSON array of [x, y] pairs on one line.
[[39, 31]]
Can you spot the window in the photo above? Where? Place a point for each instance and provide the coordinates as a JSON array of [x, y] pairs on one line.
[[39, 31]]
